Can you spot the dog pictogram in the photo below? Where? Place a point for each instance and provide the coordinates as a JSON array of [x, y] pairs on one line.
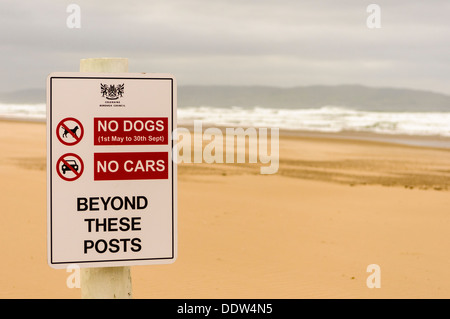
[[73, 130]]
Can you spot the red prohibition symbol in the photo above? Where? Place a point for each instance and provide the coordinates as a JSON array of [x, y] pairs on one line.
[[69, 131], [69, 167]]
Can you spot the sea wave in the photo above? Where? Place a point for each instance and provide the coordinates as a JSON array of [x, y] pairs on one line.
[[324, 119], [23, 111]]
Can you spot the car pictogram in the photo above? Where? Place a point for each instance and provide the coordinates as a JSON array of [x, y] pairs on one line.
[[72, 163]]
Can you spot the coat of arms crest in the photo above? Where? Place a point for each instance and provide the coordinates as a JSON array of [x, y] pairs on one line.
[[112, 92]]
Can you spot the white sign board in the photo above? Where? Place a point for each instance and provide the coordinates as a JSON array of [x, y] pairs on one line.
[[111, 181]]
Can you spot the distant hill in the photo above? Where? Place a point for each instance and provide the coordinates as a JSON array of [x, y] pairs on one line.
[[353, 96], [29, 96]]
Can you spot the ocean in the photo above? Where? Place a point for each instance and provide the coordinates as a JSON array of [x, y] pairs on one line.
[[327, 119]]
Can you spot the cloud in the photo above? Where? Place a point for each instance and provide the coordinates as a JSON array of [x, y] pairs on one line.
[[242, 42]]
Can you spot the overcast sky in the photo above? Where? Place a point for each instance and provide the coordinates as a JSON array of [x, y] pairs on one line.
[[233, 42]]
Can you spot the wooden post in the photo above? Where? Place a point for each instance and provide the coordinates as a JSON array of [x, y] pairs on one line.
[[106, 282]]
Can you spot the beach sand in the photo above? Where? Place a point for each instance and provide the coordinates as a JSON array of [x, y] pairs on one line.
[[310, 231]]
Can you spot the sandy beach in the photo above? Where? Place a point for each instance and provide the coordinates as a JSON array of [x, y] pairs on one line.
[[310, 231]]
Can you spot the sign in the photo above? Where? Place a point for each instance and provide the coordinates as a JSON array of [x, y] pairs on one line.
[[69, 131], [69, 167], [130, 131], [130, 166], [111, 180]]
